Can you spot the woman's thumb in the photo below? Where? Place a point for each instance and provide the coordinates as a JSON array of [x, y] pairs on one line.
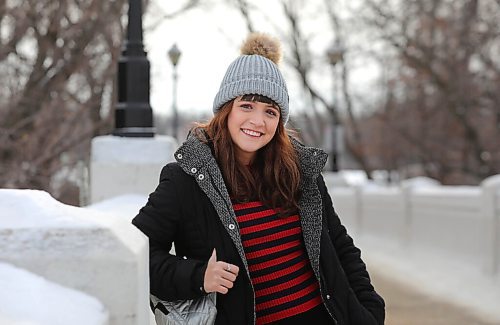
[[213, 258]]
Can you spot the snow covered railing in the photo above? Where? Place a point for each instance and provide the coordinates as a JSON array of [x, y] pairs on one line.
[[457, 222], [97, 253], [381, 210], [27, 298]]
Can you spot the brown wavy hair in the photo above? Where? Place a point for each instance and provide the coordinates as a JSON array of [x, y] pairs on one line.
[[274, 176]]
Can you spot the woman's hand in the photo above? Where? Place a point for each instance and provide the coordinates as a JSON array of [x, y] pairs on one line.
[[219, 275]]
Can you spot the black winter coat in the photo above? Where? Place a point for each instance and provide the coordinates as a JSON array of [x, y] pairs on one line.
[[191, 208]]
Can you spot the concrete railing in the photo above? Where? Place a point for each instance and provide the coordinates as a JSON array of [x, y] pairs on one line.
[[449, 220], [459, 222], [100, 254]]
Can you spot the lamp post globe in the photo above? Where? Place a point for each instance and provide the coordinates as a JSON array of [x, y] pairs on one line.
[[335, 53], [174, 55]]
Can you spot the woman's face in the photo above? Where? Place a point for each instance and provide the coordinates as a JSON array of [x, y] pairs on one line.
[[251, 125]]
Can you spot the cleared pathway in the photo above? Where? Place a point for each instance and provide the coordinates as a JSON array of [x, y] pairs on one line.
[[407, 306]]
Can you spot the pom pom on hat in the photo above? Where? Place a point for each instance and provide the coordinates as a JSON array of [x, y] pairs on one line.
[[263, 45], [255, 72]]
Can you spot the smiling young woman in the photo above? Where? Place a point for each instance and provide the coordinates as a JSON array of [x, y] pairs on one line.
[[268, 173], [252, 125], [250, 215]]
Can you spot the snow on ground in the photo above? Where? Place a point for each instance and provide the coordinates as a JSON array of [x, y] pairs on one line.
[[28, 299], [435, 275]]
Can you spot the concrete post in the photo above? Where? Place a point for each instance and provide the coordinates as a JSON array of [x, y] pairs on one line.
[[408, 214], [407, 187], [123, 165], [490, 208], [359, 210]]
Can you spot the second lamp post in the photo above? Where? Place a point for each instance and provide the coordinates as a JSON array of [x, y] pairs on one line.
[[335, 54], [174, 55]]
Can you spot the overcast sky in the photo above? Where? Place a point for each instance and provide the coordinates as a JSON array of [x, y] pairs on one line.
[[209, 39], [207, 49]]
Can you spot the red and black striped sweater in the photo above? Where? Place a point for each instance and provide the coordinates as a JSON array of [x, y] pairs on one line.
[[280, 271]]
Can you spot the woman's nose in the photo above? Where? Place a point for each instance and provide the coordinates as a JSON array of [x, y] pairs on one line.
[[257, 119]]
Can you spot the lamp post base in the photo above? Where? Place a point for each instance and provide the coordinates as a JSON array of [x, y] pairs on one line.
[[134, 119], [135, 132]]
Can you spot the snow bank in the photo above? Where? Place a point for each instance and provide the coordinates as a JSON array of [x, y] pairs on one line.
[[98, 253], [28, 299], [32, 208]]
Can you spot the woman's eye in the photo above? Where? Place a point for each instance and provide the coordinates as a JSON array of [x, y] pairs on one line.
[[272, 112], [246, 106]]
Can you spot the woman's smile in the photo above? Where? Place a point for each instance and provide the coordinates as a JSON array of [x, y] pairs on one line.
[[252, 133]]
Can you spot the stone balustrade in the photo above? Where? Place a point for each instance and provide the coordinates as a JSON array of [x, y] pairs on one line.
[[457, 222], [97, 253]]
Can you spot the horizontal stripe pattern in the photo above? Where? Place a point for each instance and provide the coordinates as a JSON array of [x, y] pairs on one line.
[[280, 271]]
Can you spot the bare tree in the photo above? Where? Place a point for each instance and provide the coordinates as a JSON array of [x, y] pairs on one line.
[[302, 60], [57, 62], [159, 14], [445, 83]]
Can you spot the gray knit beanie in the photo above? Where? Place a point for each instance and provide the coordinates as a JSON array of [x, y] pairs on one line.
[[255, 72]]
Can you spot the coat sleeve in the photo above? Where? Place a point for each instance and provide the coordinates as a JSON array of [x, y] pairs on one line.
[[365, 305], [171, 277]]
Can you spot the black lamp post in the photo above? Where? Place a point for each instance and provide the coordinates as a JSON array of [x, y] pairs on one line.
[[335, 54], [133, 114], [174, 54]]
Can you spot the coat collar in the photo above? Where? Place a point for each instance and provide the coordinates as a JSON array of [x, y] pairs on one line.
[[195, 152], [311, 160]]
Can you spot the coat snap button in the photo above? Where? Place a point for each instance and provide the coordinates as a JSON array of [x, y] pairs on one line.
[[184, 257], [328, 297], [201, 177], [193, 170], [231, 226], [179, 156]]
